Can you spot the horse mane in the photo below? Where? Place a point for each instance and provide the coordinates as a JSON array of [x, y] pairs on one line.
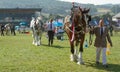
[[67, 19], [86, 10]]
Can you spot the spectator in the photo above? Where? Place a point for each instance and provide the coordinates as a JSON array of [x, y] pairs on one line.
[[13, 29], [2, 30], [60, 32]]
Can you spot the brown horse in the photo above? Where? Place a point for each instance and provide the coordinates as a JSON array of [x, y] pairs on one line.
[[76, 32]]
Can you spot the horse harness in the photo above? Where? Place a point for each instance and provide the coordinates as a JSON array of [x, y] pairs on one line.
[[37, 27], [78, 29]]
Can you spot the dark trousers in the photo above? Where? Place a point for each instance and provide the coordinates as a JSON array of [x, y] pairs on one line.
[[13, 32], [50, 37], [2, 32]]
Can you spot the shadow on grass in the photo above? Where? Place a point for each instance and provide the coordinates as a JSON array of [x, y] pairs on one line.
[[55, 46], [111, 67]]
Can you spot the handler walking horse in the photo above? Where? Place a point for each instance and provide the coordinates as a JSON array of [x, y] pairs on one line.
[[36, 26], [76, 33]]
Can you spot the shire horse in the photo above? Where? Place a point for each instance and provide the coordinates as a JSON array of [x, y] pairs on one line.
[[76, 33], [7, 29], [37, 29]]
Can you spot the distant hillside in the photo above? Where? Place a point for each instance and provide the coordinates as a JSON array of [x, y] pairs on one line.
[[49, 6]]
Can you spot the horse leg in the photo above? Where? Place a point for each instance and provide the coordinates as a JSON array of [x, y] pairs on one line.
[[9, 32], [73, 57], [76, 51], [6, 32], [33, 39], [80, 60], [39, 39]]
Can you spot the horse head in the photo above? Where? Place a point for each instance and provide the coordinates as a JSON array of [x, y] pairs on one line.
[[38, 24], [77, 15], [79, 20]]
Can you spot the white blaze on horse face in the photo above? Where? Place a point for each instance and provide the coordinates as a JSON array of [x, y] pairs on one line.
[[85, 18]]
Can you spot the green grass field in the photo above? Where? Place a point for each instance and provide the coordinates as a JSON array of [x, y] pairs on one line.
[[17, 54]]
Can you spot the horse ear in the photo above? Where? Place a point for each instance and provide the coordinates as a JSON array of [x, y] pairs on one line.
[[80, 9], [86, 10]]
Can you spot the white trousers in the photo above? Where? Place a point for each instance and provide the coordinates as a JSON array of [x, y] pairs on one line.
[[98, 52]]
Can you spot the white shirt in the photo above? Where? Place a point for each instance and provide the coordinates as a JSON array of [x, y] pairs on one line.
[[49, 27], [60, 30]]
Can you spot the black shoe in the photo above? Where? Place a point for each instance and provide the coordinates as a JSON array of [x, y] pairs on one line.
[[105, 66], [97, 62]]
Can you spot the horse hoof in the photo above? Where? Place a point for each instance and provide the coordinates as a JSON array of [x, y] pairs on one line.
[[37, 44], [33, 43], [80, 63], [73, 58]]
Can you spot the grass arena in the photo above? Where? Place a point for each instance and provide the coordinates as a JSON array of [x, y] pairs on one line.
[[17, 54]]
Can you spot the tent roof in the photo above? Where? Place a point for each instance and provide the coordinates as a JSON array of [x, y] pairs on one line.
[[117, 15], [56, 23]]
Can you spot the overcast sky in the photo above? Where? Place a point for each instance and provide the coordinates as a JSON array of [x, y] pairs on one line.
[[96, 2]]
